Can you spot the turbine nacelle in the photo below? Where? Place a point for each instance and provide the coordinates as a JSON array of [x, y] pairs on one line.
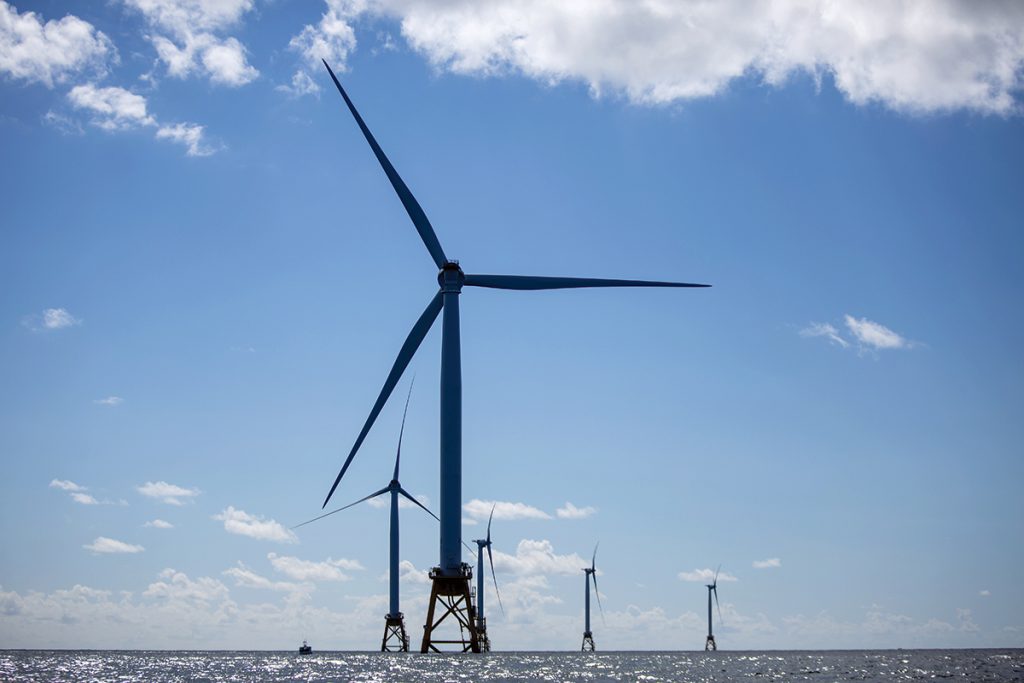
[[450, 277]]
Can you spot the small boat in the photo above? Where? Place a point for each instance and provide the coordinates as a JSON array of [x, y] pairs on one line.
[[305, 648]]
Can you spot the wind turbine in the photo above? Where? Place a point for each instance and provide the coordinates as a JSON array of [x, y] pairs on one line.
[[395, 637], [481, 620], [591, 571], [712, 587], [450, 578]]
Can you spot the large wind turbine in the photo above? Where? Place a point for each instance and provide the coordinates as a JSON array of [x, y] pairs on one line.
[[712, 587], [481, 620], [451, 576], [591, 571], [396, 639]]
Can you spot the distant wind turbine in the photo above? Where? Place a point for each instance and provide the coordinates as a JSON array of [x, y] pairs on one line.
[[396, 639], [450, 579], [712, 587], [481, 620], [591, 571]]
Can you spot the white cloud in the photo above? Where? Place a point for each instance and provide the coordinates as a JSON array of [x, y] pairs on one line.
[[66, 485], [771, 563], [538, 557], [177, 587], [247, 578], [113, 108], [705, 576], [874, 335], [193, 44], [102, 544], [167, 493], [915, 56], [188, 134], [826, 330], [84, 499], [242, 523], [468, 521], [985, 593], [403, 503], [109, 401], [481, 509], [408, 573], [50, 52], [301, 85], [51, 319], [306, 570], [570, 511], [158, 524]]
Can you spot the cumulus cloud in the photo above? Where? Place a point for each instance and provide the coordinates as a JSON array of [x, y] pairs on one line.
[[306, 570], [167, 493], [158, 524], [84, 499], [242, 523], [875, 336], [331, 39], [247, 578], [188, 134], [481, 509], [302, 84], [178, 587], [705, 576], [109, 401], [66, 485], [826, 330], [188, 40], [408, 573], [102, 544], [112, 108], [771, 563], [570, 511], [51, 319], [913, 56], [50, 52], [538, 557]]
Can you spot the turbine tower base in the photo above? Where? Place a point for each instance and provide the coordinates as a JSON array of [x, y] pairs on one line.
[[395, 637], [451, 593], [481, 634], [709, 644], [588, 642]]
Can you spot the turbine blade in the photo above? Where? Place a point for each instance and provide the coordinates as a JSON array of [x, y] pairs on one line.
[[530, 282], [494, 576], [489, 519], [412, 207], [720, 620], [398, 456], [406, 494], [412, 342], [593, 561], [715, 582], [346, 507], [597, 593]]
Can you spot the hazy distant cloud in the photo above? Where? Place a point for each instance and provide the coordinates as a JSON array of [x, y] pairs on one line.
[[109, 401], [84, 499], [158, 524], [772, 563], [306, 570], [50, 319], [985, 593], [50, 52], [167, 493], [538, 557], [911, 56], [102, 544], [247, 578], [570, 511], [705, 576], [874, 335], [78, 493], [188, 41], [481, 509], [403, 503], [468, 521], [177, 587], [242, 523], [408, 573]]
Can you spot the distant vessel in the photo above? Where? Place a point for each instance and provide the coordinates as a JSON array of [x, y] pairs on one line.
[[305, 648]]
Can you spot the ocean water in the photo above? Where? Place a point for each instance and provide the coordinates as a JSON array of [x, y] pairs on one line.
[[818, 666]]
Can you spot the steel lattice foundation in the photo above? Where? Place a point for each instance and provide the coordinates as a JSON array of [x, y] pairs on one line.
[[588, 642], [395, 637], [451, 593], [709, 644]]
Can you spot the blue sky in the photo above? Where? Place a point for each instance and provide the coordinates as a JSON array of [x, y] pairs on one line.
[[205, 276]]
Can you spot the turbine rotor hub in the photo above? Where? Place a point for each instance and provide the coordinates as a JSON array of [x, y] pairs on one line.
[[450, 277]]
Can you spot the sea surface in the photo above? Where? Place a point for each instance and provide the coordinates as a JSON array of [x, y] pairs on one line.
[[818, 666]]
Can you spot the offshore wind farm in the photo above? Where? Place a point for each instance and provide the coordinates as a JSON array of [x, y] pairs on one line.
[[233, 232]]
